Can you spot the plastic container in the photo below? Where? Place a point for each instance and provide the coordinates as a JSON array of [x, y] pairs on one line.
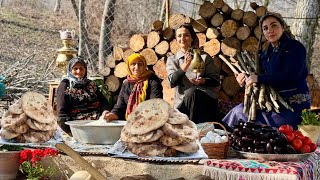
[[96, 134]]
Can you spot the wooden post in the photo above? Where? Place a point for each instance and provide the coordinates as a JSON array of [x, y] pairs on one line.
[[167, 12]]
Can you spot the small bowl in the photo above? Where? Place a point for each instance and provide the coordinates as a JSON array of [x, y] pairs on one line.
[[108, 133]]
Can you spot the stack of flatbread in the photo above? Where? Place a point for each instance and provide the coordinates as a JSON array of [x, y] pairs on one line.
[[156, 129], [29, 119]]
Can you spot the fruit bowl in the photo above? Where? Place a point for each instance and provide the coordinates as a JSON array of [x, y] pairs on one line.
[[274, 157]]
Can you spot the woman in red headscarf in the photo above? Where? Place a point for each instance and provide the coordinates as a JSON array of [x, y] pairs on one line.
[[141, 84]]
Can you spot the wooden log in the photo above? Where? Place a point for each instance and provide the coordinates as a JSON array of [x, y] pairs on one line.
[[213, 33], [202, 39], [217, 63], [260, 10], [105, 71], [229, 28], [117, 53], [113, 83], [243, 33], [212, 47], [126, 54], [110, 61], [217, 19], [168, 92], [176, 20], [168, 34], [174, 47], [250, 45], [160, 68], [168, 54], [226, 9], [250, 19], [257, 33], [162, 48], [230, 85], [121, 70], [136, 42], [238, 98], [157, 25], [218, 3], [226, 69], [153, 39], [237, 14], [199, 25], [230, 46], [149, 55], [207, 10]]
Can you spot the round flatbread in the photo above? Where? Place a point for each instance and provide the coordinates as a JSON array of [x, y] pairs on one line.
[[46, 126], [177, 117], [148, 137], [30, 123], [13, 120], [147, 149], [169, 141], [180, 131], [16, 108], [80, 175], [36, 107], [38, 136], [191, 124], [191, 147], [149, 115], [18, 129], [5, 134]]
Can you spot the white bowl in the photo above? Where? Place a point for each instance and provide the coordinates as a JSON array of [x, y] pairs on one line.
[[96, 134]]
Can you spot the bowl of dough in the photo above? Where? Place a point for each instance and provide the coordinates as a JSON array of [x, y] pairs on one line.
[[96, 131]]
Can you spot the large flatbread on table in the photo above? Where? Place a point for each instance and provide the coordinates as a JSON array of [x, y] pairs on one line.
[[147, 149], [36, 107], [148, 137], [180, 131], [148, 116]]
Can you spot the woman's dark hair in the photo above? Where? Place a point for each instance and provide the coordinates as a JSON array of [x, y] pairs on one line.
[[279, 18], [192, 32]]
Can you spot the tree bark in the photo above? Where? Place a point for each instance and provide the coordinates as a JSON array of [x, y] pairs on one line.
[[106, 26], [75, 8], [304, 27], [57, 6]]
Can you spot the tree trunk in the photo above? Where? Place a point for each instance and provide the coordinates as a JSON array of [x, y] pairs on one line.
[[82, 26], [303, 27], [106, 26], [75, 8], [57, 6]]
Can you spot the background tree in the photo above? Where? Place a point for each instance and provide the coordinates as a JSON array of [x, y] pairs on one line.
[[304, 27]]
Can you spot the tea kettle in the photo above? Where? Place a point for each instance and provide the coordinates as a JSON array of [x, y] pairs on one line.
[[197, 63]]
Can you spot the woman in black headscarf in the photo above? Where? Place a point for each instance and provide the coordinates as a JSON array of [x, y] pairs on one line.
[[78, 98]]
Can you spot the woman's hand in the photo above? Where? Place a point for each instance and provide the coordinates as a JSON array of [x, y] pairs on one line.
[[198, 81], [252, 79], [109, 116], [241, 78], [186, 62]]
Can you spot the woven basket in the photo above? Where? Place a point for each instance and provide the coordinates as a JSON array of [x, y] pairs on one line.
[[215, 150]]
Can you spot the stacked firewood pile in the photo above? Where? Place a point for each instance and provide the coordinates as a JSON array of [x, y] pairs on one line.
[[220, 31]]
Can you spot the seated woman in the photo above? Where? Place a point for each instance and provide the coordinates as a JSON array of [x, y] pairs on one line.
[[194, 96], [283, 67], [78, 98], [141, 84]]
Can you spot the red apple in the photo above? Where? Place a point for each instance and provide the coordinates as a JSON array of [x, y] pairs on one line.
[[290, 136], [307, 140], [305, 149], [313, 147], [296, 144], [300, 136], [285, 129]]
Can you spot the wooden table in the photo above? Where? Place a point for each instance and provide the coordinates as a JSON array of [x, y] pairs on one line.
[[53, 86]]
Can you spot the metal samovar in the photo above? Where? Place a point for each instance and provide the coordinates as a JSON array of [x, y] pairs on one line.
[[197, 63], [67, 52]]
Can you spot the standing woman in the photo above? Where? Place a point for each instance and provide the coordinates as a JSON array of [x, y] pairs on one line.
[[78, 98], [194, 96], [141, 84], [283, 67]]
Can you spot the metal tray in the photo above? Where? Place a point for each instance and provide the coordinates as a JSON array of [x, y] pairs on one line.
[[274, 157]]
